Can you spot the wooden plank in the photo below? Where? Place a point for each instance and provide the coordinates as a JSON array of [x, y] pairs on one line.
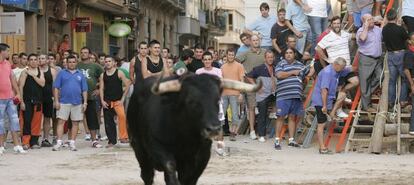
[[381, 119]]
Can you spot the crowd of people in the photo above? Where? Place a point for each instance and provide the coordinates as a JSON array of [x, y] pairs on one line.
[[59, 91]]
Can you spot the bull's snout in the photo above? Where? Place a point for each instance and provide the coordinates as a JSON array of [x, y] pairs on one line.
[[211, 130]]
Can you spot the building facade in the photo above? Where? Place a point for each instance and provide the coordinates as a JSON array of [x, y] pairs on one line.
[[235, 23], [201, 22], [47, 21]]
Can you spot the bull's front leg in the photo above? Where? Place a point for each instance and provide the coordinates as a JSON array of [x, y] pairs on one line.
[[170, 173], [191, 168]]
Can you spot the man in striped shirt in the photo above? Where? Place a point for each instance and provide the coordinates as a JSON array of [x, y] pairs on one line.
[[336, 44], [289, 73]]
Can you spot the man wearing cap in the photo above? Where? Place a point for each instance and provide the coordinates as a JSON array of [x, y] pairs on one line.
[[181, 66]]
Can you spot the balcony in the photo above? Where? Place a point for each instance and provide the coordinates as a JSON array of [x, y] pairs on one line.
[[217, 23], [189, 26], [202, 18], [32, 6], [128, 8], [177, 5]]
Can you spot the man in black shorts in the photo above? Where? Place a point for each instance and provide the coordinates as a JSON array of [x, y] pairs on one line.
[[49, 74], [324, 95], [92, 72]]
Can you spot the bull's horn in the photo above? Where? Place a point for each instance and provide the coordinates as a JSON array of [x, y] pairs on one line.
[[164, 87], [241, 86]]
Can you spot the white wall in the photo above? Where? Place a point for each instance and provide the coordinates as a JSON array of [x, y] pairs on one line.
[[191, 8]]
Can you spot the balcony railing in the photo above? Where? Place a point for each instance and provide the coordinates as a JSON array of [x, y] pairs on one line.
[[132, 3], [217, 19]]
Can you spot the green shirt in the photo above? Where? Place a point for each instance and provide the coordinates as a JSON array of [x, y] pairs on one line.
[[180, 68], [126, 73], [92, 72], [251, 59]]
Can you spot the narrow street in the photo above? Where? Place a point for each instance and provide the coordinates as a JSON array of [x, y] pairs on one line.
[[249, 162]]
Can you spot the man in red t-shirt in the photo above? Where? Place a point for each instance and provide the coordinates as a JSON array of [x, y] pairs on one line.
[[9, 92]]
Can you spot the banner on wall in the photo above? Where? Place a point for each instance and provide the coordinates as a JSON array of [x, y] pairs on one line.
[[12, 23], [13, 2], [82, 24]]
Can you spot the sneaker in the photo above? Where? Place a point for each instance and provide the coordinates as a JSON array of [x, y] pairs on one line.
[[262, 139], [348, 101], [46, 143], [2, 150], [124, 141], [56, 147], [96, 144], [253, 135], [72, 147], [35, 146], [325, 151], [66, 144], [105, 138], [277, 145], [340, 113], [370, 109], [272, 115], [292, 143], [232, 137], [109, 146], [220, 151], [87, 137], [19, 149]]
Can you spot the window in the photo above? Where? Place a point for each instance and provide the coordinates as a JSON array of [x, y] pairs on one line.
[[94, 39], [149, 30], [230, 22]]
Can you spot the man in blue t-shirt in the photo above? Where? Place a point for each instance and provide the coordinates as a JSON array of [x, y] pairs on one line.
[[70, 90], [262, 26], [245, 39], [324, 95]]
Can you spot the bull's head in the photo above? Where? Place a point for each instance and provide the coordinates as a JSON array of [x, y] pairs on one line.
[[199, 97]]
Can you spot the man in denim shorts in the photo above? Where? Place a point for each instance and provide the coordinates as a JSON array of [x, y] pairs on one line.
[[70, 88], [9, 91]]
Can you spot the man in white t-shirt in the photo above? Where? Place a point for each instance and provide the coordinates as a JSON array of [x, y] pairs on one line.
[[317, 12], [209, 69], [408, 14], [336, 44]]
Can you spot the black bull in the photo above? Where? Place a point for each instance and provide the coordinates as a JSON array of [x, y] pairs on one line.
[[170, 128]]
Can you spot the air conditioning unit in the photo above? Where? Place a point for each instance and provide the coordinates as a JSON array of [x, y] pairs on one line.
[[131, 3], [59, 9]]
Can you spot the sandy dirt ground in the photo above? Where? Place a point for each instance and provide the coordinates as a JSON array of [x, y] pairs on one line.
[[248, 163]]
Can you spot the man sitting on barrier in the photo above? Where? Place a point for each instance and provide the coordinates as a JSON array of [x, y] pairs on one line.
[[324, 95]]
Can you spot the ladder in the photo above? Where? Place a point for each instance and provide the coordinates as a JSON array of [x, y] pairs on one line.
[[355, 125], [401, 136], [396, 116]]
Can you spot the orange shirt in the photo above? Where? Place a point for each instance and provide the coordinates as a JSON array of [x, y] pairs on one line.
[[232, 71], [64, 46]]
